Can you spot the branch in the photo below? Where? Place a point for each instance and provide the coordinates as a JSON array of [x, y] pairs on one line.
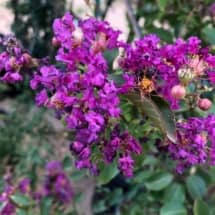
[[132, 19], [109, 2]]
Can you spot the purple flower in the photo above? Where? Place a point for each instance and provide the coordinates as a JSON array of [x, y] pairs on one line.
[[42, 98], [126, 165], [57, 183], [95, 121], [212, 10], [24, 185], [193, 147], [53, 168]]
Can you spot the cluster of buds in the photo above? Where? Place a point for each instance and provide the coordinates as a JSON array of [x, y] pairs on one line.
[[191, 73]]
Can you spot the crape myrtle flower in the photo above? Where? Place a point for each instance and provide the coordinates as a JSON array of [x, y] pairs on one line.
[[122, 146], [14, 60], [81, 92], [196, 144], [212, 10], [8, 206], [171, 65], [56, 183]]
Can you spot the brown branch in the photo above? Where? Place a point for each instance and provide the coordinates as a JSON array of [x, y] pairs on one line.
[[109, 2], [132, 19]]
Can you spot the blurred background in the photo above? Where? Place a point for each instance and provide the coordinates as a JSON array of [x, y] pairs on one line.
[[30, 137]]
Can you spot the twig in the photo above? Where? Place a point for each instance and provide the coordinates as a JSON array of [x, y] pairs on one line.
[[132, 19], [109, 2]]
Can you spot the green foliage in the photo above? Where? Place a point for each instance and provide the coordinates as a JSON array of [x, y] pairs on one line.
[[45, 206], [158, 111], [200, 207], [155, 188], [159, 181], [175, 192], [108, 172], [173, 208], [21, 201], [196, 186], [32, 23]]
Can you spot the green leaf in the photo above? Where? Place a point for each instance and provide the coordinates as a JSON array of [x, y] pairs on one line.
[[45, 206], [200, 208], [163, 34], [162, 4], [196, 186], [175, 193], [20, 211], [158, 111], [209, 34], [116, 77], [67, 163], [142, 176], [99, 207], [116, 197], [21, 201], [150, 160], [111, 55], [159, 181], [107, 173], [173, 208]]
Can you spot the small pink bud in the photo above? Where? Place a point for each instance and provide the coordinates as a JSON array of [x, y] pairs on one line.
[[13, 64], [100, 45], [55, 42], [26, 58], [178, 92], [204, 104], [77, 36]]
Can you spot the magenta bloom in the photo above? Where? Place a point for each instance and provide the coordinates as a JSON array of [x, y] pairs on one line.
[[57, 183]]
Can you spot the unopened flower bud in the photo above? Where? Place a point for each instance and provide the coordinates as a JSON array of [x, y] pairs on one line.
[[13, 64], [204, 104], [26, 58], [185, 75], [55, 42], [77, 36], [100, 45], [178, 92]]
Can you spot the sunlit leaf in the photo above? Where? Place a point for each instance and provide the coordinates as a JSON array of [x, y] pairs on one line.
[[200, 208], [175, 193], [107, 173], [158, 111], [21, 201], [196, 186], [173, 208], [159, 181]]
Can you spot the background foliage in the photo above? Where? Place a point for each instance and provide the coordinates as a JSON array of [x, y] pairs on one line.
[[25, 134]]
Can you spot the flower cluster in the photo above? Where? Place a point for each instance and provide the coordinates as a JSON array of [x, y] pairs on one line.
[[14, 60], [196, 143], [177, 72], [81, 91], [212, 10], [172, 67], [8, 206], [56, 185], [123, 145]]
